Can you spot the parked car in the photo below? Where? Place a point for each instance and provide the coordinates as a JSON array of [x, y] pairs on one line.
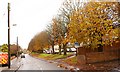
[[47, 51], [22, 55], [68, 49], [72, 49]]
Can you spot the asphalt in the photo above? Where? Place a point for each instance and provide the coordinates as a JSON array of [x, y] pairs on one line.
[[16, 64]]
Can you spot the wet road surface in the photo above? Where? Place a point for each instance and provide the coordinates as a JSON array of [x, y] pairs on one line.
[[30, 64]]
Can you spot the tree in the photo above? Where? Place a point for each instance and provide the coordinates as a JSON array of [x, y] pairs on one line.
[[50, 36], [13, 49], [64, 15], [39, 42], [4, 48], [60, 31], [92, 25]]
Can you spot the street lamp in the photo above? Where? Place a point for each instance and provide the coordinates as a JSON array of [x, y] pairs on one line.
[[17, 47], [16, 41]]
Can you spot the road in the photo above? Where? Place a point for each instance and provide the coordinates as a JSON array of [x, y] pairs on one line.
[[33, 64]]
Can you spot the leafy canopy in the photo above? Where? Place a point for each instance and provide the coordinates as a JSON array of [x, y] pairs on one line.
[[93, 25]]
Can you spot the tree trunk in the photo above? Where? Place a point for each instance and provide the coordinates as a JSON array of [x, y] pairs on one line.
[[65, 50], [60, 49], [53, 52]]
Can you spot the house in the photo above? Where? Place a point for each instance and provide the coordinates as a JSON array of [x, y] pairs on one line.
[[56, 49]]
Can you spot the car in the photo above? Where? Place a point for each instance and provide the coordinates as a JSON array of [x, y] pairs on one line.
[[22, 56], [47, 51], [72, 49]]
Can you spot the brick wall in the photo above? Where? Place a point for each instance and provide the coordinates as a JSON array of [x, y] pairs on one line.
[[109, 53], [102, 56]]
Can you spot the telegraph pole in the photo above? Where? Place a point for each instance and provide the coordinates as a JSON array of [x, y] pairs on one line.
[[8, 35]]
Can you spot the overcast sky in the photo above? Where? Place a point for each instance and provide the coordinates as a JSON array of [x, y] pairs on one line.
[[31, 17]]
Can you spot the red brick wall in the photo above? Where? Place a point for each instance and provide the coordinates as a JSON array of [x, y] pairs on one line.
[[109, 53], [102, 56]]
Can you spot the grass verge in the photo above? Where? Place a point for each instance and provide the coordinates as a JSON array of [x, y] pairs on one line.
[[71, 61], [64, 58], [50, 56]]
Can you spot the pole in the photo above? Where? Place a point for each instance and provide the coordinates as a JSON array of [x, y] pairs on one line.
[[17, 46], [8, 35]]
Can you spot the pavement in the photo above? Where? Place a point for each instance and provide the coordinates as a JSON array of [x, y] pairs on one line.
[[107, 65], [64, 65], [15, 64]]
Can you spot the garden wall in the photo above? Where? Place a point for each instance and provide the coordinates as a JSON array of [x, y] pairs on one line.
[[91, 56]]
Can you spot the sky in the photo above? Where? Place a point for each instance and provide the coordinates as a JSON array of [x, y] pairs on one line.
[[30, 17]]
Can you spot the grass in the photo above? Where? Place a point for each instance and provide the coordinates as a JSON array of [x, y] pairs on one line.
[[34, 53], [71, 61], [51, 56]]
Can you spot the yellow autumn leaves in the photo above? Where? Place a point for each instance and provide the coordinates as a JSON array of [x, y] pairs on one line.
[[93, 24]]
